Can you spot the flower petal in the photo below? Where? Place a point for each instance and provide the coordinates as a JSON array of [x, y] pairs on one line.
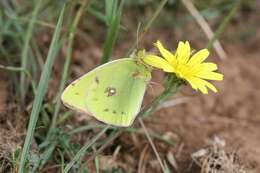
[[183, 52], [198, 57], [165, 53], [209, 66], [192, 83], [158, 62], [200, 84], [210, 86], [179, 48], [206, 83], [210, 75]]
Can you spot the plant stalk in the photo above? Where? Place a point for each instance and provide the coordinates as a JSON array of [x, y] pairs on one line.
[[172, 86]]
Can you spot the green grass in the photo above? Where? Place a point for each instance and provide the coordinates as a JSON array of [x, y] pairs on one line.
[[82, 151], [41, 90], [113, 18], [26, 49]]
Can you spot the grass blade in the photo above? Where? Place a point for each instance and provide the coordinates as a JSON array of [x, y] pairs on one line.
[[113, 15], [25, 52], [41, 90], [84, 149], [223, 24], [65, 72]]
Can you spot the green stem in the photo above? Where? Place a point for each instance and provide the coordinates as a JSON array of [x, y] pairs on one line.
[[82, 151], [172, 86], [223, 24]]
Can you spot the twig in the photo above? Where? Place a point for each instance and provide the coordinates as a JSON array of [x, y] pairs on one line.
[[173, 102], [152, 144], [205, 27], [141, 163]]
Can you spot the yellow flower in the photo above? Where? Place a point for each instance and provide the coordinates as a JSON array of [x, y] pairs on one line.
[[186, 65]]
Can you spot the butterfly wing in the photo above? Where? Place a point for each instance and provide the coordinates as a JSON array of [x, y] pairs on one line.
[[112, 93]]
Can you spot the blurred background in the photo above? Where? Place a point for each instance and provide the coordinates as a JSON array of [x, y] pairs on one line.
[[94, 32]]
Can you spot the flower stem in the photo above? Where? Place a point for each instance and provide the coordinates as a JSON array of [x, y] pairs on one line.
[[172, 86]]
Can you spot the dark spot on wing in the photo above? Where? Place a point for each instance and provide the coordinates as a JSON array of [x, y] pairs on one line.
[[135, 74], [122, 113], [73, 84], [110, 91], [77, 94], [106, 110], [114, 112], [96, 80]]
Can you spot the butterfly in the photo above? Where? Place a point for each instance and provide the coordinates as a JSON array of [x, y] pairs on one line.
[[112, 93]]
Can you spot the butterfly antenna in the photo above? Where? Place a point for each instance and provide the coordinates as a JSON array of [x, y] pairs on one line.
[[137, 34]]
